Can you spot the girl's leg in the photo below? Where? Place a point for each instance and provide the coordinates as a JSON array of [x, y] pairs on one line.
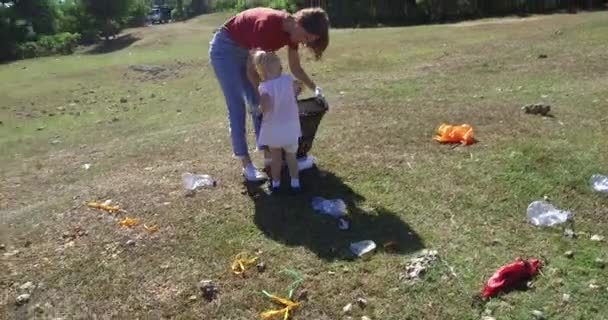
[[275, 167], [292, 164]]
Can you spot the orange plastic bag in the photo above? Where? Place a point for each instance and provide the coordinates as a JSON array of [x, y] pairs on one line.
[[104, 206], [455, 134], [128, 222]]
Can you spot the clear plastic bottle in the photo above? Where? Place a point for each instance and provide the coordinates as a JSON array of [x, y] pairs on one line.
[[193, 181]]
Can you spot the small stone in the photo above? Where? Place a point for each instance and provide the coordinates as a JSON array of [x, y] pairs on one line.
[[193, 298], [22, 299], [495, 242], [362, 303], [40, 128], [55, 141], [131, 243], [124, 100], [164, 266], [115, 119], [347, 308], [27, 243], [303, 296], [569, 254], [538, 314], [72, 104], [600, 263], [60, 108], [566, 298], [38, 308], [28, 286], [597, 237], [593, 286], [261, 267], [366, 318], [2, 246], [488, 318]]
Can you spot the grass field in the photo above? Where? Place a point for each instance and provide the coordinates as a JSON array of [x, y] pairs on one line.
[[389, 89]]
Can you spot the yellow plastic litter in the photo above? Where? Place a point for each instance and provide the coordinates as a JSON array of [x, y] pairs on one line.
[[128, 222], [242, 262], [151, 228], [288, 306], [455, 134], [104, 206]]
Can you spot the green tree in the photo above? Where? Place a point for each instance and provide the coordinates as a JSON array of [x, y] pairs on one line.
[[109, 14]]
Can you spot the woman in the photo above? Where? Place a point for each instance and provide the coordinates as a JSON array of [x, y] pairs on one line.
[[230, 55]]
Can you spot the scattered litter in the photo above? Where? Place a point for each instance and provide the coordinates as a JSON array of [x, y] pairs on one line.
[[287, 304], [366, 318], [287, 307], [362, 248], [569, 233], [193, 298], [593, 286], [599, 183], [347, 308], [566, 298], [335, 207], [22, 299], [28, 286], [600, 263], [242, 262], [539, 315], [597, 237], [104, 206], [192, 181], [86, 166], [537, 108], [208, 290], [128, 222], [362, 303], [343, 224], [569, 254], [416, 267], [261, 267], [151, 228], [455, 134], [511, 275], [542, 213]]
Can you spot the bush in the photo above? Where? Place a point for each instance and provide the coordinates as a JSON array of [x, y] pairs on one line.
[[138, 13], [61, 43]]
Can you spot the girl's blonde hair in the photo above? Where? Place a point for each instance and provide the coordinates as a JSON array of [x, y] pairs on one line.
[[267, 62]]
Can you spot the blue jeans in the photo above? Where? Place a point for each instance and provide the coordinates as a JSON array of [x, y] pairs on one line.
[[229, 62]]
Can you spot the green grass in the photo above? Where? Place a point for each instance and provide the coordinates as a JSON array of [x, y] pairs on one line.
[[389, 89]]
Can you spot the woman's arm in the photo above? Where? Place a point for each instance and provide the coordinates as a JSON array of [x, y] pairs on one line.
[[265, 103], [252, 73], [297, 71]]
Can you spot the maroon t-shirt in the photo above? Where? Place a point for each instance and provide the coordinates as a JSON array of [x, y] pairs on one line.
[[260, 28]]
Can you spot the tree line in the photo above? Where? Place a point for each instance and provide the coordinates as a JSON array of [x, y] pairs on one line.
[[31, 28]]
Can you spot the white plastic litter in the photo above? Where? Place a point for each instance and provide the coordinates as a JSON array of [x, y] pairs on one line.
[[306, 163], [599, 183], [544, 214], [192, 181], [335, 208], [362, 248]]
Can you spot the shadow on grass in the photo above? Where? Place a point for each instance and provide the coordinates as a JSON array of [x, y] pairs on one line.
[[112, 45], [292, 221]]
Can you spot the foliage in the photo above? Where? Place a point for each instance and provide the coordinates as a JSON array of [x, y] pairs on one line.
[[61, 43]]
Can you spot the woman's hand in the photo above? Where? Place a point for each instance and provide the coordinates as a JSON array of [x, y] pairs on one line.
[[297, 71]]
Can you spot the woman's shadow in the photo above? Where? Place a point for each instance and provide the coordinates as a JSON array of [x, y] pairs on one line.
[[292, 221]]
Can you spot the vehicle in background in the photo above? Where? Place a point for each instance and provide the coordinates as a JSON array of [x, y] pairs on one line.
[[160, 14]]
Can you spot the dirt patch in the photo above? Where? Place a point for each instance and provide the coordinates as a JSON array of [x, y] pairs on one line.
[[155, 73]]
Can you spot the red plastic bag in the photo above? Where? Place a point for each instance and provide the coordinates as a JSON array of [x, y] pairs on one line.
[[511, 275], [455, 134]]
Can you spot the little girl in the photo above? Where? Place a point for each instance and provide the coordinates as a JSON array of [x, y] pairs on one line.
[[280, 129]]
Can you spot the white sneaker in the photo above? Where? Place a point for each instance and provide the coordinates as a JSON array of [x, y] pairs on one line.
[[254, 175]]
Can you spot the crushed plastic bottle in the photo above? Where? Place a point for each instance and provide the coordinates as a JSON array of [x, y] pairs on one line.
[[362, 248], [192, 181], [599, 183], [544, 214], [335, 208]]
